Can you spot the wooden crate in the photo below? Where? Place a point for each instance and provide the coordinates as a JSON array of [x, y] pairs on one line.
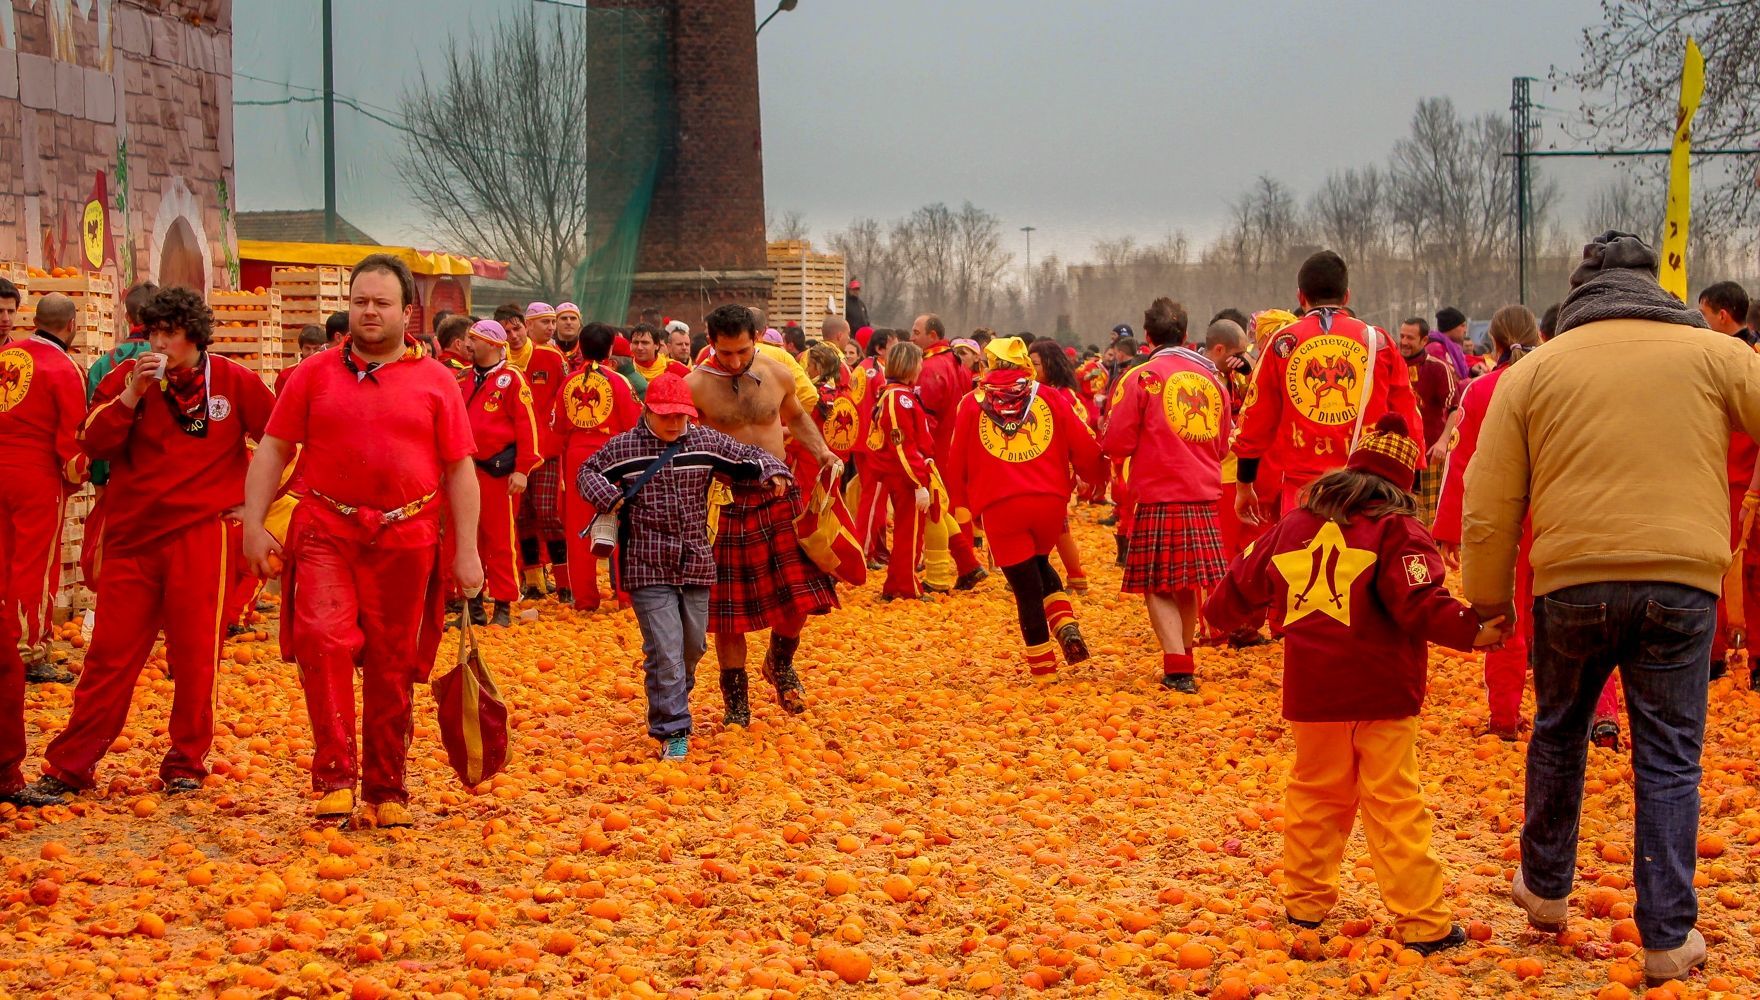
[[806, 284], [311, 282], [248, 330]]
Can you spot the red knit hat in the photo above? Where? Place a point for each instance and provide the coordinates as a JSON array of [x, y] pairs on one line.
[[1388, 451], [620, 347]]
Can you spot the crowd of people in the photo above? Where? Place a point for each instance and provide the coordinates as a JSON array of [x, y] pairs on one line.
[[1298, 468]]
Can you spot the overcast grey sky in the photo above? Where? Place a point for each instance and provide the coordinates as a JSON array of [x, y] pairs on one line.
[[1095, 118], [1085, 118]]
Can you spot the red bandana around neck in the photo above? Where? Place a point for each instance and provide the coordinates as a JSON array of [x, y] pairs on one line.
[[186, 391], [1007, 396]]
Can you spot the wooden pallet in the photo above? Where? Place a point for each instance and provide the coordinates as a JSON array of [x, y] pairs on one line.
[[246, 307], [806, 284], [323, 282]]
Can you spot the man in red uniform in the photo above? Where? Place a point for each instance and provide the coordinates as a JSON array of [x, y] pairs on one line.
[[42, 401], [595, 405], [1172, 424], [385, 431], [504, 424], [541, 538], [942, 385], [173, 424], [1308, 405], [1433, 386], [1724, 306]]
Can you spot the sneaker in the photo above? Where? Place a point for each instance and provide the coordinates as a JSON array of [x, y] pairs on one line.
[[1675, 963], [790, 693], [178, 786], [1508, 734], [1312, 925], [44, 672], [1183, 683], [34, 795], [735, 697], [503, 617], [1453, 939], [675, 748], [1245, 639], [1605, 734], [335, 803], [235, 629], [1069, 639], [392, 814], [969, 581], [1547, 915]]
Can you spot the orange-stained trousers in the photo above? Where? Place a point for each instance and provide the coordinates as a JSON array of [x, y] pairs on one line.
[[30, 563], [179, 585], [1343, 769], [907, 535], [496, 536], [359, 606]]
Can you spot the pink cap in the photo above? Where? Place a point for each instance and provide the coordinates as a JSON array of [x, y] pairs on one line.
[[773, 336], [568, 309], [489, 330], [967, 343], [537, 309]]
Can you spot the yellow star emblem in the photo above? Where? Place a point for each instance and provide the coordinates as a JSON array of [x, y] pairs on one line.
[[1320, 576]]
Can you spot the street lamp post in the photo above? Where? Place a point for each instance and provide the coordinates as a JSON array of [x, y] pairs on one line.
[[1029, 230], [780, 7]]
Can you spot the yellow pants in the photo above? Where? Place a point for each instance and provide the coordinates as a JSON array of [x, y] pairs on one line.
[[938, 569], [1341, 766]]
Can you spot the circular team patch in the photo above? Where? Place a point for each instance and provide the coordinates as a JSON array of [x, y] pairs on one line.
[[1028, 442], [1193, 405], [16, 368], [219, 408], [1324, 378], [842, 425], [503, 381], [587, 399]]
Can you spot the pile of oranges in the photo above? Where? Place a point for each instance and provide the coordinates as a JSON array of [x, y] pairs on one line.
[[934, 824]]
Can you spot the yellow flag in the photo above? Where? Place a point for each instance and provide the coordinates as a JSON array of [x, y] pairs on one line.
[[1680, 193]]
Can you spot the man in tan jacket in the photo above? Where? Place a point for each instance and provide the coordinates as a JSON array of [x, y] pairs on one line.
[[1612, 439]]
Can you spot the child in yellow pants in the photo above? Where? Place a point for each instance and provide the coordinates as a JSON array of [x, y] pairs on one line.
[[1356, 583]]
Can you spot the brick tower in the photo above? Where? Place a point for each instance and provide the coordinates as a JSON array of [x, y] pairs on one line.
[[703, 242]]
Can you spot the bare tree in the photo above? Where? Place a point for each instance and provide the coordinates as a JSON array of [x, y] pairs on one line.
[[869, 255], [928, 243], [1351, 212], [1630, 79], [499, 153], [979, 261], [790, 225]]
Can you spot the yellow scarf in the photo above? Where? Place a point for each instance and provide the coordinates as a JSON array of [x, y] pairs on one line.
[[520, 357], [654, 371]]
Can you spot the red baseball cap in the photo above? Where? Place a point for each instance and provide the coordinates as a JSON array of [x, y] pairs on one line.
[[668, 394]]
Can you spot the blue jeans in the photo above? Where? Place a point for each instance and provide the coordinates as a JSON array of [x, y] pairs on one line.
[[673, 620], [1659, 636]]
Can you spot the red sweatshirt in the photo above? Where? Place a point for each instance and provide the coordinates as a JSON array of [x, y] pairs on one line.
[[545, 372], [162, 478], [595, 405], [1172, 422], [839, 413], [1475, 401], [42, 402], [1305, 393], [1355, 607], [899, 438], [943, 383], [989, 466], [866, 381], [502, 413]]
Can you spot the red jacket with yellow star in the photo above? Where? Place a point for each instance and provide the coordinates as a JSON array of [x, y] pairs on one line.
[[1355, 603], [1303, 407], [502, 414]]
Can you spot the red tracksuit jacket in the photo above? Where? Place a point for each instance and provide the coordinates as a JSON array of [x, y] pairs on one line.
[[163, 479], [545, 372], [1355, 605], [1172, 422], [42, 403], [1303, 407], [943, 383], [899, 438], [988, 466], [501, 413], [839, 414], [595, 405]]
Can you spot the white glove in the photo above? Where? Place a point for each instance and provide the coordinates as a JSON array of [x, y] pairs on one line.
[[922, 499]]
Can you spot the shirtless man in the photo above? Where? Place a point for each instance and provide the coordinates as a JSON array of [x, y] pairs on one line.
[[762, 579]]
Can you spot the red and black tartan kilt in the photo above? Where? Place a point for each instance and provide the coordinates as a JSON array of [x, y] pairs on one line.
[[1174, 546], [540, 509], [762, 578]]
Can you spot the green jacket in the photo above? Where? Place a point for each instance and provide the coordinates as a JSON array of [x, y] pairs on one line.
[[106, 363]]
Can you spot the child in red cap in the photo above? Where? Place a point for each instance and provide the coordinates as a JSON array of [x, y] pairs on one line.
[[1355, 583]]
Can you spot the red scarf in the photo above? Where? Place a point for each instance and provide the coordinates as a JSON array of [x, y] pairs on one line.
[[1005, 396], [186, 391]]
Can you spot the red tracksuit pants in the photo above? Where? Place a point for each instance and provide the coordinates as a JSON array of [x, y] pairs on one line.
[[496, 536], [577, 513], [30, 558], [179, 585], [870, 510], [907, 535], [360, 606]]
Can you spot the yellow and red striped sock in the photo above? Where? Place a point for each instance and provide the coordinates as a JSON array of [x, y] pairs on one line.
[[1042, 660], [1058, 611]]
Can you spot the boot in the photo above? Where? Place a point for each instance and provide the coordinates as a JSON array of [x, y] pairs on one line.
[[734, 697], [44, 672], [503, 617], [1075, 649], [971, 580], [564, 597], [1122, 544], [479, 615], [1183, 683], [454, 614], [779, 671]]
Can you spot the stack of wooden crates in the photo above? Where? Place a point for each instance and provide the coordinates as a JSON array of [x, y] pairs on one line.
[[808, 285], [308, 296], [248, 329]]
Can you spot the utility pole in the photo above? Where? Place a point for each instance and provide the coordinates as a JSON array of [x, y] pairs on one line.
[[1521, 111], [1029, 230], [329, 129]]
